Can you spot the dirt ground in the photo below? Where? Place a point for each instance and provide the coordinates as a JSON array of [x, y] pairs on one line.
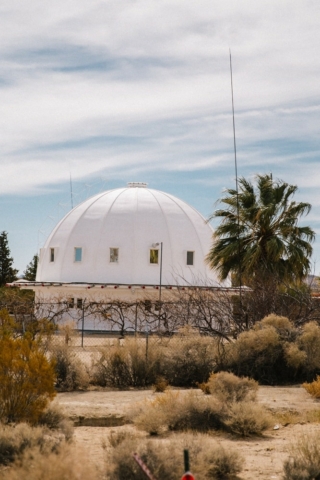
[[97, 413]]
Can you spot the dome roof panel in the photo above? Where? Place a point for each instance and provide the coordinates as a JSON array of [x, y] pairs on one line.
[[130, 220]]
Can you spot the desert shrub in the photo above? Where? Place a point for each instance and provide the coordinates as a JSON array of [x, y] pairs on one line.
[[71, 373], [313, 388], [184, 411], [246, 418], [65, 464], [161, 385], [178, 411], [283, 326], [15, 440], [165, 458], [54, 418], [227, 387], [304, 460], [26, 379], [309, 342], [128, 365], [190, 359]]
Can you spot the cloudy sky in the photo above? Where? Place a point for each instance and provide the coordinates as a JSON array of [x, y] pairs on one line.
[[135, 90]]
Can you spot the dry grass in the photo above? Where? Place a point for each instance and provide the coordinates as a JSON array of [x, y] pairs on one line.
[[304, 460], [160, 385], [313, 388], [165, 458], [16, 440], [64, 465]]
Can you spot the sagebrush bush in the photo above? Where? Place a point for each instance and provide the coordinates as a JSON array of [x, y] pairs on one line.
[[71, 372], [190, 358], [65, 464], [275, 352], [26, 379], [246, 418], [309, 342], [304, 460], [164, 458], [190, 410], [129, 365], [15, 440], [54, 418], [313, 387], [227, 387]]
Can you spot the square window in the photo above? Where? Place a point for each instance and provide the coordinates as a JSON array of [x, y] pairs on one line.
[[190, 258], [77, 254], [154, 256], [114, 255], [79, 302], [51, 254], [70, 302]]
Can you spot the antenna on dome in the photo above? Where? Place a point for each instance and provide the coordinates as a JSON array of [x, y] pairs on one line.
[[237, 188], [71, 194]]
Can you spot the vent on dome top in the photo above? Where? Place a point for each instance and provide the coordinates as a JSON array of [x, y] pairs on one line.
[[137, 185]]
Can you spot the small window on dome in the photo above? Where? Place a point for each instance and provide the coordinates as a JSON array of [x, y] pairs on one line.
[[114, 255], [190, 258], [77, 254], [70, 302], [154, 256], [51, 254]]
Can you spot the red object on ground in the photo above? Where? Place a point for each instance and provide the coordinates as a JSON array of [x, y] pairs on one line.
[[188, 476]]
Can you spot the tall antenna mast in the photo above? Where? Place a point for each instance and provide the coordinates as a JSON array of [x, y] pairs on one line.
[[237, 188], [71, 194]]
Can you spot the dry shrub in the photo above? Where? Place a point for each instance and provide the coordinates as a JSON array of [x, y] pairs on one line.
[[190, 358], [313, 388], [184, 411], [54, 418], [304, 460], [71, 373], [294, 357], [129, 365], [246, 418], [309, 342], [15, 440], [165, 458], [63, 465], [161, 385], [283, 326], [177, 411], [227, 387], [26, 379]]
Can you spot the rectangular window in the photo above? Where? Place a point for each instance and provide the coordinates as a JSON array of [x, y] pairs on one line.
[[154, 256], [114, 255], [70, 302], [51, 254], [79, 302], [77, 254], [147, 305], [190, 258]]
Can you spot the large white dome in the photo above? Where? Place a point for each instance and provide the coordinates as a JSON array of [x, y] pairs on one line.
[[108, 239]]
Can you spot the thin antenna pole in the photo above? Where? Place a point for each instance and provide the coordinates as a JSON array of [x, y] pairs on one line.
[[71, 194], [237, 188]]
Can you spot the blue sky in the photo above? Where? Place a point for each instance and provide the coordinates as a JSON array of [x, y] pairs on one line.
[[112, 92]]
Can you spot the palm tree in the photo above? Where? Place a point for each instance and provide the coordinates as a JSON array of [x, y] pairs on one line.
[[259, 233]]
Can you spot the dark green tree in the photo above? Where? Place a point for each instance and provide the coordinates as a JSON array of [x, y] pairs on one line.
[[259, 235], [7, 272], [31, 270]]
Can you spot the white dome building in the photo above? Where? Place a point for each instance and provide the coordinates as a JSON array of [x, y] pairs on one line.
[[116, 238], [127, 247]]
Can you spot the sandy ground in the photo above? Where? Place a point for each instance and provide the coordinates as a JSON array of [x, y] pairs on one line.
[[100, 412]]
